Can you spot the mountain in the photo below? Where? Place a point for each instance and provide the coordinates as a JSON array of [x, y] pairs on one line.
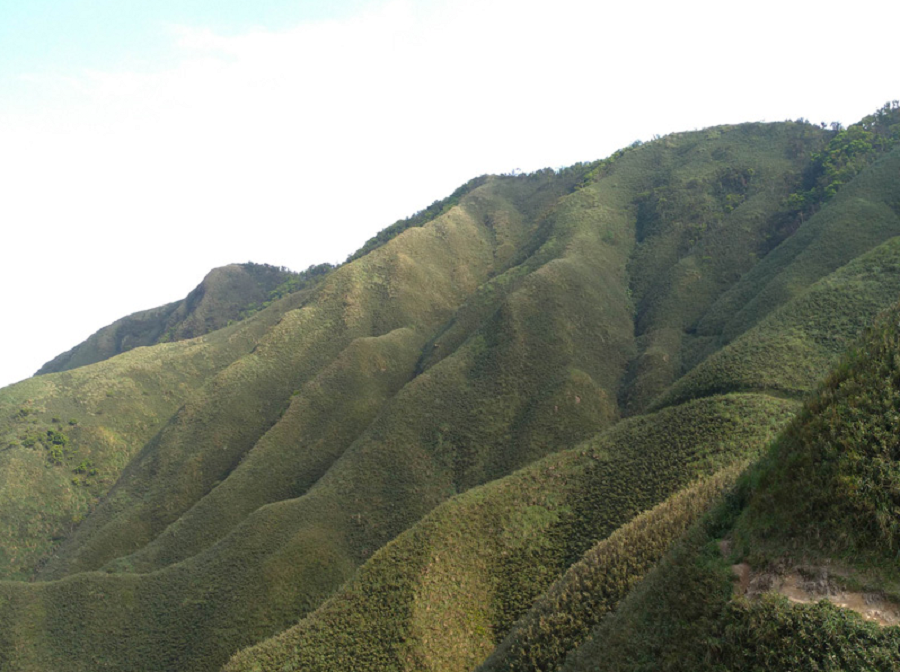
[[811, 531], [225, 295], [493, 426]]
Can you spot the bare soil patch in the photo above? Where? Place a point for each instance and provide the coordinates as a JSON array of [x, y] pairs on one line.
[[805, 584]]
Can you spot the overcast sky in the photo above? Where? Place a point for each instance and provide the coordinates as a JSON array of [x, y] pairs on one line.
[[144, 143]]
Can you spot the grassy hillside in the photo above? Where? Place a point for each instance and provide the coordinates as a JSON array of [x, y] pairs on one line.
[[444, 409], [66, 438], [822, 502], [519, 379], [224, 295], [591, 589], [447, 591], [413, 283], [706, 217], [795, 346]]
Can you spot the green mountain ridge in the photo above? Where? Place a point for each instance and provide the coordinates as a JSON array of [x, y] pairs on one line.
[[214, 303], [464, 447], [822, 501]]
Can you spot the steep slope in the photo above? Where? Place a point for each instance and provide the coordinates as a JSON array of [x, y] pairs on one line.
[[492, 393], [66, 438], [194, 613], [563, 616], [705, 217], [823, 504], [521, 647], [378, 407], [852, 283], [220, 299], [444, 593], [413, 283], [790, 350]]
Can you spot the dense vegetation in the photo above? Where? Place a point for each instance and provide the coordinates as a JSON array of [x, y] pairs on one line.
[[823, 495], [840, 494], [221, 298], [450, 588], [295, 282], [467, 445], [421, 218]]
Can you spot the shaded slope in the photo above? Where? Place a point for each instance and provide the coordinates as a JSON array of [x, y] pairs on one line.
[[214, 303], [414, 282], [195, 613], [826, 495], [705, 217], [523, 319], [444, 593], [793, 348], [845, 204], [860, 216], [65, 438]]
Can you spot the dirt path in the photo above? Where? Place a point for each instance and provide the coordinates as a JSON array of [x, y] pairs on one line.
[[810, 584]]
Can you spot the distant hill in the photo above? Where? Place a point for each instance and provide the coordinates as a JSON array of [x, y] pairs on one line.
[[224, 293], [488, 438]]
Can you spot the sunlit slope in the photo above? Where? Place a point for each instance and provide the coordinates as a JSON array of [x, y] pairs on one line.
[[832, 481], [415, 283], [213, 304], [323, 418], [518, 319], [444, 593], [564, 615], [489, 406], [284, 558], [824, 502], [533, 361], [65, 438]]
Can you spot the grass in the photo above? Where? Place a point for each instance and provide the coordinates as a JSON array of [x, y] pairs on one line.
[[563, 616], [444, 410], [117, 406], [215, 303], [414, 283], [824, 243], [824, 494], [795, 346], [446, 591], [832, 482]]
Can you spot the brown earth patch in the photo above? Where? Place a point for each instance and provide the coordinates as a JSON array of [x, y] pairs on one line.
[[803, 585]]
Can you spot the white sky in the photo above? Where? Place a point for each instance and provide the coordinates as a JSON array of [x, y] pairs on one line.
[[124, 180]]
